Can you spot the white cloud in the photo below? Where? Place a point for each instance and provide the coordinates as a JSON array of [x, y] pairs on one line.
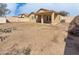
[[12, 7], [33, 7], [30, 7]]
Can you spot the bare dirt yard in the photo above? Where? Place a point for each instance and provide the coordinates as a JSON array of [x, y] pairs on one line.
[[32, 39]]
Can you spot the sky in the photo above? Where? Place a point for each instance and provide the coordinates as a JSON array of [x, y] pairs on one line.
[[18, 8]]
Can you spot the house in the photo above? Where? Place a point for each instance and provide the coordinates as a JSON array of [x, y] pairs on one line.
[[45, 16], [40, 16]]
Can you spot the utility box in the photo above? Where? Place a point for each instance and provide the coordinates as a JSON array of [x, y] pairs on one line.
[[2, 20]]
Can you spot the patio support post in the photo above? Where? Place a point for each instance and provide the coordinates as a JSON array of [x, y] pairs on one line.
[[42, 21], [52, 18]]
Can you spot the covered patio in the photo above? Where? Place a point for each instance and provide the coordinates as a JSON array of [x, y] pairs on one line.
[[46, 17]]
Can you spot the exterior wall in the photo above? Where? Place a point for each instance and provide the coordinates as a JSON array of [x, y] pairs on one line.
[[2, 20], [55, 20], [32, 18]]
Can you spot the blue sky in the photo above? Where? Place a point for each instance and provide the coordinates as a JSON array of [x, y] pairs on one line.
[[17, 8]]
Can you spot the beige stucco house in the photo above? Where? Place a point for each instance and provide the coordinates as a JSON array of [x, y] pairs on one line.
[[45, 16]]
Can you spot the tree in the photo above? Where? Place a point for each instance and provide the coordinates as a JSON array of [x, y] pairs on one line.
[[64, 13], [3, 9]]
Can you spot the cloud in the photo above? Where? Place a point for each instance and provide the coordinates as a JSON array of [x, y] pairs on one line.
[[12, 7], [30, 7], [18, 5], [17, 8]]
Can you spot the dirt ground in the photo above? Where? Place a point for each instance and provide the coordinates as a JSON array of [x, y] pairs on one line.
[[33, 39]]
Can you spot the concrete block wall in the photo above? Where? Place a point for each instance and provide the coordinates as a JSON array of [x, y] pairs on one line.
[[16, 19]]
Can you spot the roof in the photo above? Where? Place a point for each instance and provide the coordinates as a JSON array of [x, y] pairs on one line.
[[31, 13], [46, 11], [42, 9]]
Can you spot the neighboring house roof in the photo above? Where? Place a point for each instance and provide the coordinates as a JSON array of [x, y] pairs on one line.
[[24, 14]]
